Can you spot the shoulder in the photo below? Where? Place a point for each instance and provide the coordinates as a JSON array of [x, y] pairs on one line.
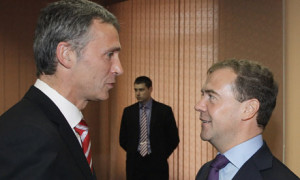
[[26, 125], [280, 170], [265, 165], [132, 106], [23, 112], [161, 105], [28, 116]]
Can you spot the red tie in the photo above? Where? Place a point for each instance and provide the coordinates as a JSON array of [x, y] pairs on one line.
[[82, 130]]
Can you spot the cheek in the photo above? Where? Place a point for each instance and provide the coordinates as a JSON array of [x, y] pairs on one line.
[[219, 112], [98, 73], [227, 116]]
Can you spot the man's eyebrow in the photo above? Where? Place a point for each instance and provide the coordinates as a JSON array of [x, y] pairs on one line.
[[209, 91], [114, 49]]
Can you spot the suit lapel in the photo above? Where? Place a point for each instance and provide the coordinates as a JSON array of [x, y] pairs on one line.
[[135, 122], [203, 173], [154, 114], [66, 132], [136, 117]]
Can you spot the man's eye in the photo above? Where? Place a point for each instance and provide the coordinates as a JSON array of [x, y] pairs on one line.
[[211, 97], [110, 54]]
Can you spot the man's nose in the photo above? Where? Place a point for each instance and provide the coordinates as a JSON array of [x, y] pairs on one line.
[[200, 105], [117, 67]]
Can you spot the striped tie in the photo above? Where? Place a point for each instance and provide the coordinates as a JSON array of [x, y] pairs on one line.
[[144, 133], [82, 130]]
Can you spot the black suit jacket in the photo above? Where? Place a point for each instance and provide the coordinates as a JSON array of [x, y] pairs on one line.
[[163, 131], [36, 142], [261, 166]]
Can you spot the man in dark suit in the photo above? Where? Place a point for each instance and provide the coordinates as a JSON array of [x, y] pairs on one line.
[[44, 136], [237, 101], [149, 144]]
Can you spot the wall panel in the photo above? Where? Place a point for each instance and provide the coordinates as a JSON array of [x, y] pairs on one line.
[[292, 86], [172, 42], [17, 69]]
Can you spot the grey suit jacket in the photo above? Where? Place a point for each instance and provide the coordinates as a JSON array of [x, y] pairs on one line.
[[36, 142], [261, 166]]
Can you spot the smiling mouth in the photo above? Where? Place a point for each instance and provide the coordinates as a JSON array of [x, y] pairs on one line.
[[205, 121]]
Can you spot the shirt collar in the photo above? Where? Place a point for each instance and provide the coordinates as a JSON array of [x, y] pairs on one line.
[[148, 104], [68, 109], [239, 154]]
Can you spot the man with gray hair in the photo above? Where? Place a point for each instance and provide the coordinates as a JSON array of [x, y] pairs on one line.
[[76, 50]]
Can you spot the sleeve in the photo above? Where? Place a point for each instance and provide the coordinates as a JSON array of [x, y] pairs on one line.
[[171, 132]]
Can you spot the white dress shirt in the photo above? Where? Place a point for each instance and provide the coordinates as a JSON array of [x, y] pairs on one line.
[[72, 114], [238, 155]]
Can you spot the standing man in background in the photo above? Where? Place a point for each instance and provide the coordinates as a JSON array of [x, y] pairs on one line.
[[148, 134], [237, 101], [44, 136]]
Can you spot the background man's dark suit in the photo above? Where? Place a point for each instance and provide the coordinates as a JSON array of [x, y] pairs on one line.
[[163, 136], [261, 166], [41, 144]]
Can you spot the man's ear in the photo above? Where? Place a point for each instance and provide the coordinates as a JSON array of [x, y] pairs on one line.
[[250, 109], [150, 89], [64, 54]]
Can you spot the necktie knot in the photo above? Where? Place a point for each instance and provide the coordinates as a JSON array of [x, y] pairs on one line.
[[218, 163], [81, 127]]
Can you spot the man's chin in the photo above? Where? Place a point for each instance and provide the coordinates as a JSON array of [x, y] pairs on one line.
[[203, 137], [103, 96]]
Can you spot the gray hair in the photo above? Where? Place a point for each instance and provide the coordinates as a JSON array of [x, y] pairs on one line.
[[65, 21]]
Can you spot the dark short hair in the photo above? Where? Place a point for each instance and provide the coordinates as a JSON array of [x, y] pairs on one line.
[[143, 79], [253, 81], [65, 21]]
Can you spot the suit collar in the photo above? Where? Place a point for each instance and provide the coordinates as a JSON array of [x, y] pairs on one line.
[[148, 104], [72, 114], [154, 113], [66, 132], [260, 161]]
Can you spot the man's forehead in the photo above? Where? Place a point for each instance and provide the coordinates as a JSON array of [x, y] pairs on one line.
[[219, 80], [222, 75], [140, 86]]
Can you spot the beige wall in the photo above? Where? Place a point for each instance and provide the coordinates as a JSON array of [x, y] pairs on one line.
[[253, 30], [292, 155]]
